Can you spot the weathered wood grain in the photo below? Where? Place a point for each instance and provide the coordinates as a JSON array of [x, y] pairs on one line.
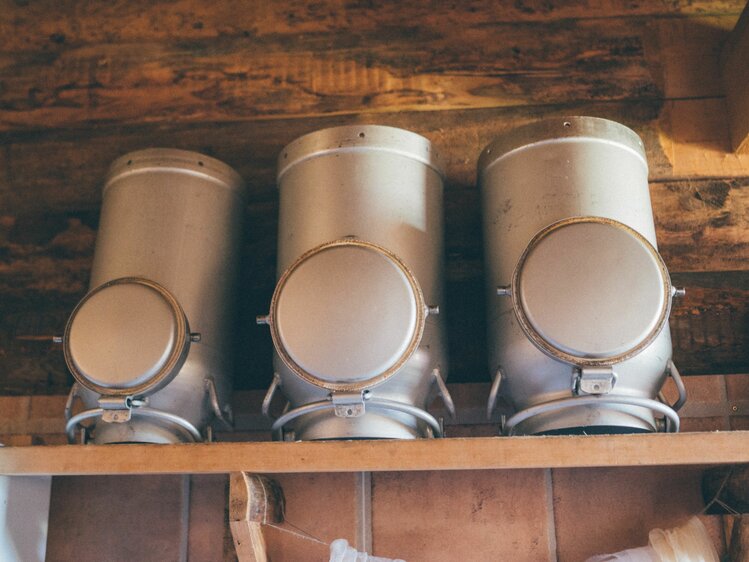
[[380, 61], [385, 455], [62, 171], [734, 63], [36, 25]]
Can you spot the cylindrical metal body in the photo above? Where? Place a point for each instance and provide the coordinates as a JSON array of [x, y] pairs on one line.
[[361, 228], [174, 218], [589, 174]]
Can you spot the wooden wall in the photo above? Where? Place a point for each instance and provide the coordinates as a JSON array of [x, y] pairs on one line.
[[84, 82]]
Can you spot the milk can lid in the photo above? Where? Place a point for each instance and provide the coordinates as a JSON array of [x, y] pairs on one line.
[[591, 291], [347, 315], [128, 336]]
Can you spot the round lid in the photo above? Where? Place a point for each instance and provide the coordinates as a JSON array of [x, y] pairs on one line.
[[347, 315], [591, 291], [128, 336]]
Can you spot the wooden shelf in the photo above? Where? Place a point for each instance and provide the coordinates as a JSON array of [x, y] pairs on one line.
[[355, 456]]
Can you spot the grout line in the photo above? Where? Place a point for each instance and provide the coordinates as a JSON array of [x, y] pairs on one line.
[[551, 526], [185, 519]]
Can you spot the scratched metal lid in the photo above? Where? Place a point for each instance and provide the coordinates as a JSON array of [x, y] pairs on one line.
[[126, 337], [590, 290], [347, 315]]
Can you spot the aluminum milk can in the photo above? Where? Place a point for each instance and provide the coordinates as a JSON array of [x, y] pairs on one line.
[[359, 342], [149, 345], [578, 297]]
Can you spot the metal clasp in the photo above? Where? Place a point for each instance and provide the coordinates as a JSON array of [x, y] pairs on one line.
[[349, 404], [116, 409], [595, 380]]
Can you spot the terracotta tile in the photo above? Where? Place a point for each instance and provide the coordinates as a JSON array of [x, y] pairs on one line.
[[209, 533], [320, 505], [239, 436], [699, 389], [47, 414], [16, 440], [49, 439], [605, 510], [714, 526], [464, 515], [739, 423], [14, 414], [117, 518], [737, 387], [704, 424], [479, 430]]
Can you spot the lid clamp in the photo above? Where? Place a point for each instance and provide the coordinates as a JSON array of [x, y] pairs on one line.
[[594, 380], [349, 404], [118, 409]]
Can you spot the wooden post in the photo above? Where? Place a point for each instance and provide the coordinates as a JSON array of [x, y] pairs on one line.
[[734, 65], [254, 500]]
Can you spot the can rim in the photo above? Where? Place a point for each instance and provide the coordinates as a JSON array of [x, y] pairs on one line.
[[352, 138], [176, 159], [561, 128]]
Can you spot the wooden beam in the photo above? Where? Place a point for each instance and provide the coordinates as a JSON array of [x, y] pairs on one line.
[[254, 500], [250, 63], [728, 447], [735, 65]]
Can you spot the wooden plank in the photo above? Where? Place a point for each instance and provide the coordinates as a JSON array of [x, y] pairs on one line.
[[444, 517], [254, 500], [417, 64], [734, 64], [118, 519], [600, 511], [47, 24], [358, 456]]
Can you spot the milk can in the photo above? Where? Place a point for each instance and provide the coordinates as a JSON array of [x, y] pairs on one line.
[[149, 345], [359, 341], [578, 297]]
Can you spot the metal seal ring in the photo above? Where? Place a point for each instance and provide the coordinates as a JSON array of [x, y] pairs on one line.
[[547, 347], [171, 365], [349, 386]]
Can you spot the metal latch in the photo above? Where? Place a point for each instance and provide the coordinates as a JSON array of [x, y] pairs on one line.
[[595, 380], [117, 409], [349, 404]]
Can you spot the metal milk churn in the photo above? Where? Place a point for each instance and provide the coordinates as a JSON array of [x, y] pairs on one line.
[[359, 344], [578, 297], [149, 345]]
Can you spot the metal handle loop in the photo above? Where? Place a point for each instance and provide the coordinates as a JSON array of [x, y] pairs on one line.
[[373, 403], [681, 389], [494, 394], [597, 400], [268, 399], [225, 420], [142, 411], [447, 399]]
